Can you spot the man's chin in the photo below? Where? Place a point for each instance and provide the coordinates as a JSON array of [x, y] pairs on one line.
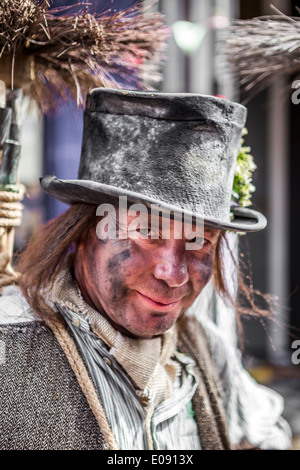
[[154, 324]]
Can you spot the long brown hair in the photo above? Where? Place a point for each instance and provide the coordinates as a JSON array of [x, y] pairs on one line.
[[49, 246], [47, 249], [244, 298]]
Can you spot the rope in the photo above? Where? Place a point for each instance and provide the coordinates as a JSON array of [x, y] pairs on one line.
[[10, 207], [10, 216], [7, 275], [149, 414], [12, 193], [79, 369]]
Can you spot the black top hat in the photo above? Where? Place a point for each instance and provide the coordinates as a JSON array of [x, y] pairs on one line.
[[175, 150]]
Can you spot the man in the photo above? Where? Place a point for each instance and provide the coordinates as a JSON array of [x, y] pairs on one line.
[[106, 347]]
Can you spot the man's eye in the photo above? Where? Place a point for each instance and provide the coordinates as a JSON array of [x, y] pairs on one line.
[[197, 243], [139, 233], [154, 234], [140, 230]]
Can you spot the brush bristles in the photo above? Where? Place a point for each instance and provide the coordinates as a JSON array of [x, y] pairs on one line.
[[263, 49], [75, 52]]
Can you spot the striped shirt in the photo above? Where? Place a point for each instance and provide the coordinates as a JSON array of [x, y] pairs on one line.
[[170, 427]]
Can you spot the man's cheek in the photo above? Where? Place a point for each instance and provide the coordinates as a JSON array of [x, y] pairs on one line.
[[114, 283], [115, 289], [203, 270], [118, 262]]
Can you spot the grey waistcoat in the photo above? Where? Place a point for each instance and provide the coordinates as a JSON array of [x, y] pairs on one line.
[[42, 405]]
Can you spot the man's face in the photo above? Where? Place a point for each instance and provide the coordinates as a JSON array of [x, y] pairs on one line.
[[143, 285]]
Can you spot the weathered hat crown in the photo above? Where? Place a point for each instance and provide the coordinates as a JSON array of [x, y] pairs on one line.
[[176, 150]]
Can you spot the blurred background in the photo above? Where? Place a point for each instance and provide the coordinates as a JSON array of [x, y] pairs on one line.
[[194, 63]]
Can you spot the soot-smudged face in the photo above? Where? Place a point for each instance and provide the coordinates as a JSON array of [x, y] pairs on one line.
[[143, 285]]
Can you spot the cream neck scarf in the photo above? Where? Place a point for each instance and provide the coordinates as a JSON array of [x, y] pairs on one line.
[[148, 362]]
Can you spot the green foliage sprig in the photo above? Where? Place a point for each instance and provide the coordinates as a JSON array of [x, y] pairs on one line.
[[242, 184]]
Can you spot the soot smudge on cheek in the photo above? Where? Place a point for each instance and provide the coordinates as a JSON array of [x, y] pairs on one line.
[[117, 289], [205, 268], [115, 262]]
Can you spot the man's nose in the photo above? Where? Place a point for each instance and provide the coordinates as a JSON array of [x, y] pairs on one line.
[[171, 266]]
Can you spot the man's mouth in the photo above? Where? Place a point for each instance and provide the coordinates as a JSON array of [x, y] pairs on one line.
[[163, 305]]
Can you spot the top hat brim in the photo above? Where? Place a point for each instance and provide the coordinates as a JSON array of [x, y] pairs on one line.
[[77, 191]]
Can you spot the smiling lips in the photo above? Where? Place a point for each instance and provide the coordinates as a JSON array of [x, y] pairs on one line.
[[162, 304]]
